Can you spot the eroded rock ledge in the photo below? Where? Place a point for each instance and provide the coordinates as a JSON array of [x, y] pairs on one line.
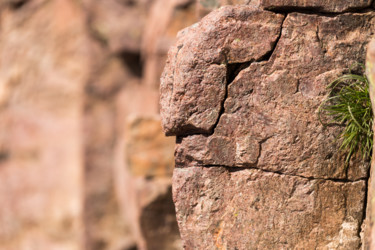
[[255, 167]]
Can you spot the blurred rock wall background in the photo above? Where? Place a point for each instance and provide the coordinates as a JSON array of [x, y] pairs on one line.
[[83, 161]]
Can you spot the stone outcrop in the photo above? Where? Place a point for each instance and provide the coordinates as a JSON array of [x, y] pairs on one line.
[[324, 6], [255, 168], [316, 5], [83, 161]]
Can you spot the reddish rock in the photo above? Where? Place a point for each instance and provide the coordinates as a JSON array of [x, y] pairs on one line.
[[269, 116], [193, 83], [256, 168], [316, 5], [223, 208], [324, 6]]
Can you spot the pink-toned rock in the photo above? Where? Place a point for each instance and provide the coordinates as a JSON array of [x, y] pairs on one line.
[[323, 6], [270, 119], [266, 173], [221, 208], [194, 80], [316, 5]]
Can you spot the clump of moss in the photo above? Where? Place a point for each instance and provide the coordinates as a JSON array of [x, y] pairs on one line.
[[349, 104]]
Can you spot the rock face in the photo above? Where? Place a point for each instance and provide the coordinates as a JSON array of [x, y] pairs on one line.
[[73, 174], [194, 85], [255, 167], [328, 6], [316, 5], [251, 209]]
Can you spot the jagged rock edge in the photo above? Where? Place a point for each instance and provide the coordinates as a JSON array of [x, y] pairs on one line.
[[317, 10], [233, 72]]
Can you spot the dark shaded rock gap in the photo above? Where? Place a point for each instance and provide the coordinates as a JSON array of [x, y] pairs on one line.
[[233, 69], [365, 206], [15, 5], [4, 156], [317, 11], [269, 54], [320, 41], [260, 148], [244, 167], [132, 61]]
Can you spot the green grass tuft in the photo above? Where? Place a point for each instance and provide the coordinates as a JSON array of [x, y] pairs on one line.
[[349, 105]]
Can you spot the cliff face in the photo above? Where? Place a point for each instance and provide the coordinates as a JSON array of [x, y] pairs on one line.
[[83, 161], [255, 168]]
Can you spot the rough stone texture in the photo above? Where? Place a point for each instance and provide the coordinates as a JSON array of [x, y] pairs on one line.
[[248, 134], [323, 6], [194, 83], [316, 5], [250, 209]]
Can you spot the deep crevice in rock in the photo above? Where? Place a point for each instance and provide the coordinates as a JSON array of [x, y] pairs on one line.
[[15, 5], [316, 10], [365, 203], [233, 69], [260, 148], [244, 167], [266, 57]]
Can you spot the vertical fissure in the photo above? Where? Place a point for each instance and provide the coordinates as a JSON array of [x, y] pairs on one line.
[[233, 69], [361, 228]]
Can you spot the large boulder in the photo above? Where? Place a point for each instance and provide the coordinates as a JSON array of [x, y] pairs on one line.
[[255, 166]]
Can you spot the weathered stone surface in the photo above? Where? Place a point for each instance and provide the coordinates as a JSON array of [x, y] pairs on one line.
[[324, 6], [270, 118], [193, 84], [266, 174], [250, 209], [316, 5]]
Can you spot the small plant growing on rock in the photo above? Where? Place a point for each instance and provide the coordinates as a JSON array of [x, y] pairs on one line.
[[349, 105]]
